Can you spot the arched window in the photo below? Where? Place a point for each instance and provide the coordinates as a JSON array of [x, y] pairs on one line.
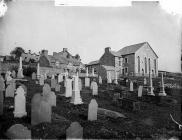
[[145, 65], [138, 64], [149, 64]]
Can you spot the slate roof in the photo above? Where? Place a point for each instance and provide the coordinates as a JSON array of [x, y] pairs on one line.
[[109, 67], [93, 62], [115, 53], [131, 49]]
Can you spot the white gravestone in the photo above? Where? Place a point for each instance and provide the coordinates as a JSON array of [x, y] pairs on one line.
[[20, 70], [57, 88], [116, 78], [53, 76], [109, 77], [75, 131], [92, 110], [8, 73], [94, 88], [38, 70], [20, 103], [10, 90], [52, 99], [76, 98], [2, 88], [60, 78], [68, 87], [145, 81], [87, 82], [41, 80], [162, 90], [35, 105], [100, 80], [131, 86], [53, 83], [24, 88], [140, 89], [151, 92], [93, 74], [80, 84]]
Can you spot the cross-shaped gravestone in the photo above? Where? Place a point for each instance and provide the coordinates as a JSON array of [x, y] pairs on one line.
[[20, 103], [75, 131], [92, 110]]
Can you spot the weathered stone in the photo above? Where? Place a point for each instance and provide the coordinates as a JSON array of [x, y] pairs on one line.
[[75, 131], [92, 110]]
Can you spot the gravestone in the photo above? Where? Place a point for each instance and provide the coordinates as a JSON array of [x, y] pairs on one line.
[[53, 83], [2, 88], [76, 98], [33, 76], [46, 90], [51, 99], [131, 86], [41, 80], [45, 112], [80, 84], [8, 79], [10, 90], [20, 103], [45, 76], [145, 81], [53, 76], [87, 82], [38, 71], [20, 69], [140, 89], [86, 74], [35, 105], [100, 80], [24, 88], [57, 88], [75, 131], [94, 88], [93, 74], [60, 78], [13, 74], [162, 90], [109, 78], [18, 131], [68, 87], [92, 110], [151, 89]]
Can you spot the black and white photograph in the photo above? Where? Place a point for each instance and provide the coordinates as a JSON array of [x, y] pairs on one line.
[[91, 69]]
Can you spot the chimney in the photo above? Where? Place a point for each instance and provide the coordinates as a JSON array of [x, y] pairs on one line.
[[65, 49], [108, 49]]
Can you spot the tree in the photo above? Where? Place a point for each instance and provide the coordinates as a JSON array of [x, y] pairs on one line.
[[17, 52]]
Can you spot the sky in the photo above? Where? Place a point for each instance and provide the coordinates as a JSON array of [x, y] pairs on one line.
[[36, 25]]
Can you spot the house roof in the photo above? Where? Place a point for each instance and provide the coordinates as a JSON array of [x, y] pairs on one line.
[[115, 53], [109, 67], [131, 49], [93, 62]]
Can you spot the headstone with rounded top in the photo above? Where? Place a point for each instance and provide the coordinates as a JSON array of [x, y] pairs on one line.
[[10, 90], [20, 103], [92, 110], [75, 131], [131, 86], [18, 131], [68, 87], [57, 88], [35, 105], [140, 89], [94, 88], [33, 76]]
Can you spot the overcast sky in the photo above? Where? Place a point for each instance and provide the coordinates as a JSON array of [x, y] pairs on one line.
[[38, 25]]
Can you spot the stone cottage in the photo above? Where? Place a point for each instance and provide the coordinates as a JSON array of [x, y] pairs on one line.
[[134, 60]]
